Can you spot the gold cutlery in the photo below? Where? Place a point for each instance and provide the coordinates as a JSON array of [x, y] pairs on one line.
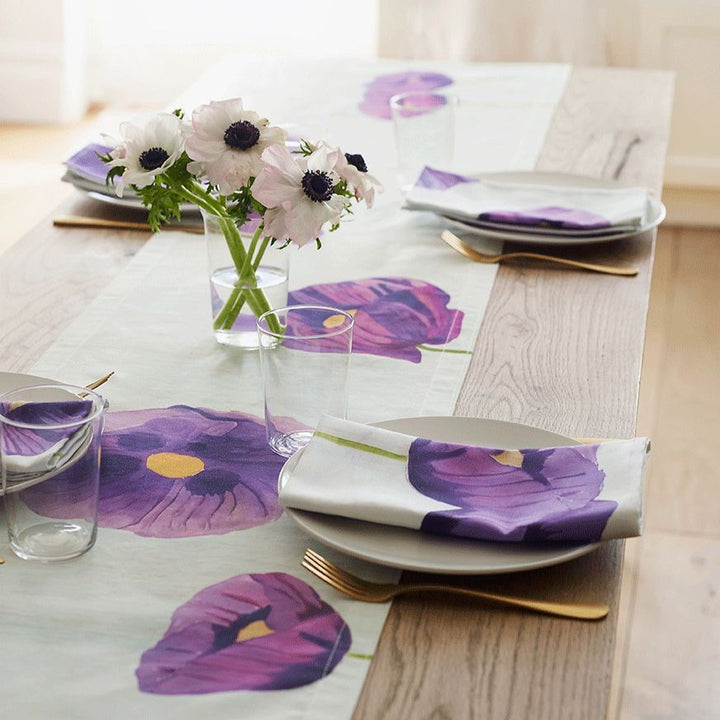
[[367, 591], [457, 244], [79, 221], [100, 381], [97, 383]]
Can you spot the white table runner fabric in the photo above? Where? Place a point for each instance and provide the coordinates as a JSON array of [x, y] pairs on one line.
[[73, 632]]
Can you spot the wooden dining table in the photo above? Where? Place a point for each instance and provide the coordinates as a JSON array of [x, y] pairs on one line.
[[557, 349]]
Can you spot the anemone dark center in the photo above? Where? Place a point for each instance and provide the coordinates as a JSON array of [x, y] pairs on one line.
[[241, 135], [357, 161], [152, 158], [317, 185]]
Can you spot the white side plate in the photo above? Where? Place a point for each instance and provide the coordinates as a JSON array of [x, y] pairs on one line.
[[656, 212], [423, 552]]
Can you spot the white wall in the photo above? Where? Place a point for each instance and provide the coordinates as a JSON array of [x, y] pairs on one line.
[[57, 56], [42, 60], [151, 50]]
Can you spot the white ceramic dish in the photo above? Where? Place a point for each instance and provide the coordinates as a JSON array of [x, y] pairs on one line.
[[414, 550], [656, 213], [106, 195]]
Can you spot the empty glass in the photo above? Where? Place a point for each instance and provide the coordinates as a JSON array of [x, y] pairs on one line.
[[50, 467], [424, 123], [305, 354]]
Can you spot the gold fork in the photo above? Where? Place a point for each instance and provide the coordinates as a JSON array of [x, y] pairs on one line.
[[464, 249], [367, 591], [97, 383]]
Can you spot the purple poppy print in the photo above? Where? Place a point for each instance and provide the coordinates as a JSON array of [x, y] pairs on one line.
[[252, 632], [25, 441], [431, 179], [511, 495], [556, 217], [376, 100], [182, 471], [393, 316]]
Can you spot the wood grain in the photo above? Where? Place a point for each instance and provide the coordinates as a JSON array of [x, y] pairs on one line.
[[563, 351], [48, 278]]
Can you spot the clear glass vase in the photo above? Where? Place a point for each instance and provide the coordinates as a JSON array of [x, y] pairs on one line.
[[248, 277]]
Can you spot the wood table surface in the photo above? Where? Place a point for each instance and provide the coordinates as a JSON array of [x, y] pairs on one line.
[[558, 349]]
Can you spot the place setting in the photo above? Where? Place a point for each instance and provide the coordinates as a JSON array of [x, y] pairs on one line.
[[529, 207]]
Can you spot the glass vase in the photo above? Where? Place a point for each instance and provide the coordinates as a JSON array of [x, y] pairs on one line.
[[248, 277]]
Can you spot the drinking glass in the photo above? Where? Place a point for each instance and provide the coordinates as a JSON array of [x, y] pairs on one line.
[[305, 355], [424, 123], [50, 469]]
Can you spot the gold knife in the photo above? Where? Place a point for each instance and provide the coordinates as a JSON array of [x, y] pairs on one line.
[[89, 222]]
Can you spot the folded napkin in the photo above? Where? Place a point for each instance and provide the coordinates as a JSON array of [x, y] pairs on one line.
[[528, 205], [86, 164], [31, 452], [577, 493]]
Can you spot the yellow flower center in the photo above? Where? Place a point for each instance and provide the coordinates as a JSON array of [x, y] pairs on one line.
[[174, 465], [337, 320], [255, 629], [513, 458]]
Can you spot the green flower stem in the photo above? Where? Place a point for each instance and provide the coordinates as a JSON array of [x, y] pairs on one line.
[[345, 442], [244, 262], [260, 253], [429, 348]]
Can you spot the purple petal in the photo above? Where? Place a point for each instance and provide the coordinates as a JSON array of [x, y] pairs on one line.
[[393, 316], [558, 217], [33, 441], [182, 471], [432, 179], [252, 632], [551, 495], [376, 100], [86, 163]]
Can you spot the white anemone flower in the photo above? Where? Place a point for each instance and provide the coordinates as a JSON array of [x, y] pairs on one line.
[[298, 193], [147, 151], [226, 143], [353, 170]]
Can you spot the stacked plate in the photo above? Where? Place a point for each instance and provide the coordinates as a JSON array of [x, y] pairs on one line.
[[537, 207], [87, 172]]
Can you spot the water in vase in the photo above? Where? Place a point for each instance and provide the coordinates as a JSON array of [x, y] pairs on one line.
[[273, 281]]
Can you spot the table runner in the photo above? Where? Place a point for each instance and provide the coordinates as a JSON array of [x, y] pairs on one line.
[[88, 626]]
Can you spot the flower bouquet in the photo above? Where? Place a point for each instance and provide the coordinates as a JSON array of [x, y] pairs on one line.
[[254, 189]]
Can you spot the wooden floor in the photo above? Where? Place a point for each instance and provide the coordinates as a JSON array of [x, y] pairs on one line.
[[668, 652]]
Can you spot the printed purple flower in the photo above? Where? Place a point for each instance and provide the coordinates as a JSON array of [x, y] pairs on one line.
[[393, 316], [251, 632], [376, 100], [25, 441], [517, 495], [557, 217], [182, 471], [431, 179]]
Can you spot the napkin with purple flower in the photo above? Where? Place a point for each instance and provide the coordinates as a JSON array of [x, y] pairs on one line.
[[495, 201], [33, 451], [575, 493]]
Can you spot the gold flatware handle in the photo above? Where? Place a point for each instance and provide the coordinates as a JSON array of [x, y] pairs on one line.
[[457, 244], [367, 591], [579, 611], [97, 383], [89, 222]]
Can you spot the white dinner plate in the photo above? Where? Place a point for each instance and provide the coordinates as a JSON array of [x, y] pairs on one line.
[[414, 550], [656, 212], [107, 195]]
